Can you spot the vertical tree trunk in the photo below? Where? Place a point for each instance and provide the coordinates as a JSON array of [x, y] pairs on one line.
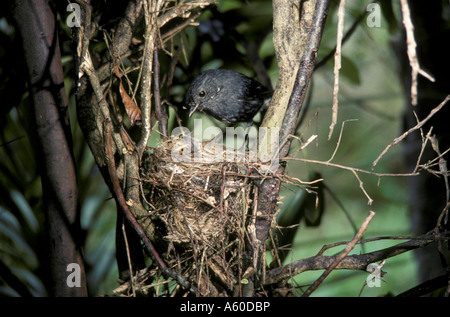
[[36, 25]]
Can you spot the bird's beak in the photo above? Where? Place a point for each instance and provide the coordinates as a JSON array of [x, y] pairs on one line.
[[191, 112]]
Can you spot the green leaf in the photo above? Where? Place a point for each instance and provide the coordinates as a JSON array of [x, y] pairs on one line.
[[349, 70], [25, 210], [227, 5], [13, 240]]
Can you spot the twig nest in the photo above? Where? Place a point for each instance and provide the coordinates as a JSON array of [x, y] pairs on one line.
[[201, 199]]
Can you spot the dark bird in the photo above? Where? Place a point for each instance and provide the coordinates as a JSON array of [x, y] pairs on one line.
[[226, 95]]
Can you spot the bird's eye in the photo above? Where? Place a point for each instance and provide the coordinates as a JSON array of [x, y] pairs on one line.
[[202, 93]]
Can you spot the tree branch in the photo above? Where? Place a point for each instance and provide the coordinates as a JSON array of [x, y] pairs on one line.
[[351, 262], [416, 127], [341, 255], [123, 203], [268, 191], [161, 114], [151, 33], [313, 17], [412, 54]]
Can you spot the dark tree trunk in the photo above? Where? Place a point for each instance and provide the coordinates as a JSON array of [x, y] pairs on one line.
[[427, 192], [36, 26]]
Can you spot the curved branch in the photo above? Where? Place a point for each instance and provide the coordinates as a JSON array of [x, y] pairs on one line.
[[351, 262]]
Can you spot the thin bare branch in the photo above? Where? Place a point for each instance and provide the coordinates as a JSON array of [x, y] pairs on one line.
[[342, 254], [355, 172], [416, 127], [442, 165], [183, 10], [161, 114], [412, 54], [151, 33], [352, 169], [339, 139], [337, 66]]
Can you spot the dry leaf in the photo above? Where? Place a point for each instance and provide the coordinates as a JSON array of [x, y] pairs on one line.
[[117, 72], [133, 111], [135, 41]]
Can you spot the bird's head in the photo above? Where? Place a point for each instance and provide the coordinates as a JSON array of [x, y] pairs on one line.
[[201, 92]]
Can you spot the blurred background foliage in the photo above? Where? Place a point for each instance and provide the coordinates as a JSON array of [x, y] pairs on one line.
[[370, 92]]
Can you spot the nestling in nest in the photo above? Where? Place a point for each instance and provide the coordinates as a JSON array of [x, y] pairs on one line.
[[201, 202]]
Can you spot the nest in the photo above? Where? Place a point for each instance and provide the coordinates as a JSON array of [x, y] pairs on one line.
[[200, 206]]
